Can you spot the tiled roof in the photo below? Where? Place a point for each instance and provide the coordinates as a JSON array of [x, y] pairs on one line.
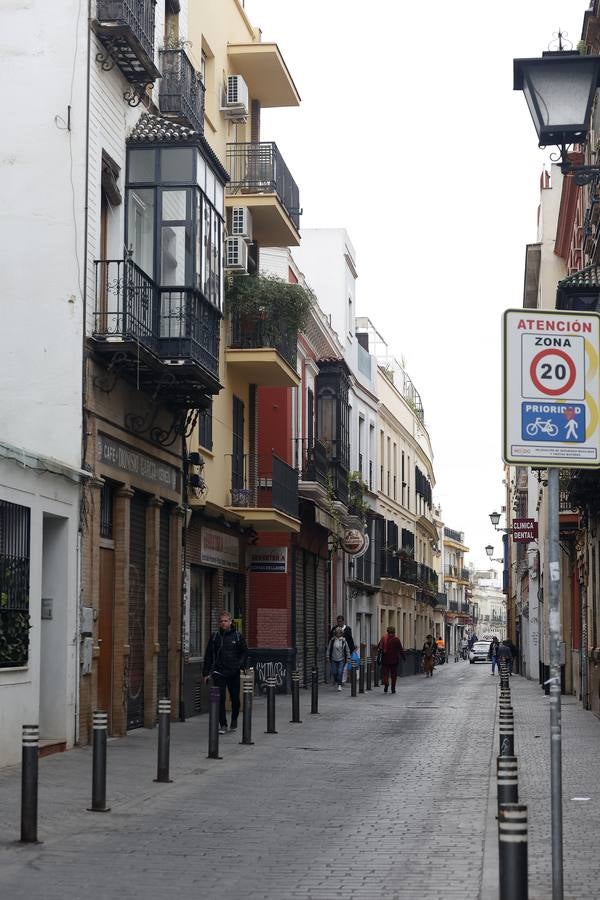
[[151, 129], [155, 128], [589, 277]]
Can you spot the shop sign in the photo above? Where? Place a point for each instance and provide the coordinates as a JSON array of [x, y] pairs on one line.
[[354, 541], [524, 530], [120, 456], [268, 559], [219, 549]]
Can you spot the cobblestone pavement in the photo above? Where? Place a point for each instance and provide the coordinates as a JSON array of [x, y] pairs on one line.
[[381, 796]]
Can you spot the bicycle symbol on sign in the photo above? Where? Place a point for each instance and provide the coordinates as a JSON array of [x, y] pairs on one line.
[[545, 427]]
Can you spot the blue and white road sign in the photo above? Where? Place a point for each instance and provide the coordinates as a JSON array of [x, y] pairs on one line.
[[553, 422], [551, 388]]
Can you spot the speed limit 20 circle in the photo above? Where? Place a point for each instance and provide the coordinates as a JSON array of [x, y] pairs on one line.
[[553, 372]]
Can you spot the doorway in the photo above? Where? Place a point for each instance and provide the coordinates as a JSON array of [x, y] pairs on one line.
[[54, 638]]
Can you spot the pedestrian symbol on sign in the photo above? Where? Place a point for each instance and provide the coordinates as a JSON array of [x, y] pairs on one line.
[[572, 424]]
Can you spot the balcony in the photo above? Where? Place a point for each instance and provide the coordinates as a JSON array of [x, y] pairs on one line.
[[465, 576], [266, 500], [264, 70], [154, 336], [181, 90], [260, 180], [453, 605], [125, 28], [451, 571], [259, 349], [314, 475]]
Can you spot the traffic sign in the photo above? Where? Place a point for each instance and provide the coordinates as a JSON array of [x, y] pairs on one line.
[[551, 388]]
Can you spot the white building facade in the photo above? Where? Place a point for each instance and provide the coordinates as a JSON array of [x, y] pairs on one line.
[[43, 238]]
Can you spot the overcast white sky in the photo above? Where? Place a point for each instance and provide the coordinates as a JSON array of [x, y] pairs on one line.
[[410, 136]]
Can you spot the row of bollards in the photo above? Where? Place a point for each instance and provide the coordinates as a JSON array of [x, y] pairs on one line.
[[360, 680], [512, 815]]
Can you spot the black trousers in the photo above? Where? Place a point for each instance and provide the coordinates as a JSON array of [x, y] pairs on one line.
[[232, 684]]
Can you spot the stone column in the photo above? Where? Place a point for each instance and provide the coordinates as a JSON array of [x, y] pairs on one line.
[[151, 646], [121, 525]]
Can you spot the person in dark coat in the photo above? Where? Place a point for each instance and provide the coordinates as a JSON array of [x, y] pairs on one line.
[[493, 654], [392, 652], [346, 633], [225, 655]]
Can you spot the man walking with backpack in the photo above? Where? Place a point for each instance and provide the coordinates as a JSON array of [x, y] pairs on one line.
[[226, 654]]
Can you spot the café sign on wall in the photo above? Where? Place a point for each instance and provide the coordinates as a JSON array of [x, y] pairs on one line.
[[219, 549]]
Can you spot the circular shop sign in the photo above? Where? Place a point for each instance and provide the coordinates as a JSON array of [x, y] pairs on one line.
[[354, 542], [553, 372]]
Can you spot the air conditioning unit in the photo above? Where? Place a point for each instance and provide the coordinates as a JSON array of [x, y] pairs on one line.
[[241, 222], [235, 98], [236, 254]]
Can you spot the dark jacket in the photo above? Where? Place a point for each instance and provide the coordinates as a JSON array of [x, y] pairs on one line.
[[493, 650], [346, 633], [226, 653], [504, 651], [392, 649]]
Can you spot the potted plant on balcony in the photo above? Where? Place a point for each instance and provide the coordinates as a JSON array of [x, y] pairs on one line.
[[357, 505], [266, 311]]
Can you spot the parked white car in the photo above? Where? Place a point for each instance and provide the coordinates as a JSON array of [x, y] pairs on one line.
[[479, 652]]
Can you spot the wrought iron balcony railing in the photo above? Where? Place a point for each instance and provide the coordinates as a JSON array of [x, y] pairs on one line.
[[181, 89], [256, 332], [451, 571], [126, 29], [189, 328], [453, 605], [254, 486], [316, 465], [125, 303], [259, 168], [453, 535], [170, 323]]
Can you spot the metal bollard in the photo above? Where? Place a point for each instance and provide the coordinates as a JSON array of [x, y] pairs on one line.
[[507, 777], [353, 682], [314, 692], [507, 737], [247, 695], [369, 674], [512, 841], [164, 741], [213, 724], [296, 698], [29, 783], [271, 688], [100, 728], [361, 677], [375, 674]]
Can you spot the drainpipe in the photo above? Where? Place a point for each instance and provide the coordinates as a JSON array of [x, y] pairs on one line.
[[584, 641]]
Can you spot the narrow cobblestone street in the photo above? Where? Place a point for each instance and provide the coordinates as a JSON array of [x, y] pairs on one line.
[[378, 796]]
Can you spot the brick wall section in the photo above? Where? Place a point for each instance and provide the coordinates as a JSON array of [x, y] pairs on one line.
[[90, 596], [272, 628], [175, 595], [122, 508], [151, 645]]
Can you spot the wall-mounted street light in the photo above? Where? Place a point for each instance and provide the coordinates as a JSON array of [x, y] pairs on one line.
[[559, 89], [489, 550], [494, 519]]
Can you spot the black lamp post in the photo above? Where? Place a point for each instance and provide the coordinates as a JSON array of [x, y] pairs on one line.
[[559, 88]]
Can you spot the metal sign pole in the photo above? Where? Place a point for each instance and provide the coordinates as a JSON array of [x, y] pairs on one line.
[[555, 682]]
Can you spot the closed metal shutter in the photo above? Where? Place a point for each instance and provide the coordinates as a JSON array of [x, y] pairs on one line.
[[310, 610], [137, 611], [300, 619], [321, 600], [163, 603]]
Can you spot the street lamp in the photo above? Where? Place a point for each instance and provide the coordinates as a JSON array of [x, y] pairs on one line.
[[494, 519], [489, 550], [559, 89]]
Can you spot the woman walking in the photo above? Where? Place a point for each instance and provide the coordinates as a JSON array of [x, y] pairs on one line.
[[338, 653], [392, 652]]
